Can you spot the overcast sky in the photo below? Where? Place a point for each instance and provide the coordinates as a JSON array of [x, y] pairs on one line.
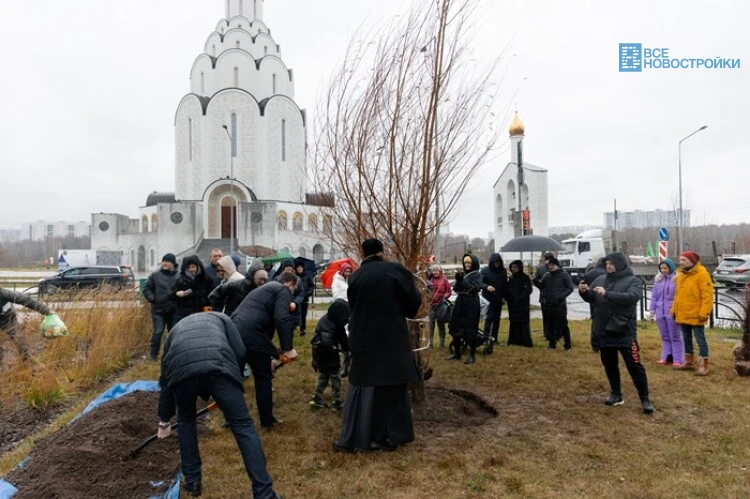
[[89, 89]]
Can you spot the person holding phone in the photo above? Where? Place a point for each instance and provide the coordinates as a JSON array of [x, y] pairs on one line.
[[191, 288]]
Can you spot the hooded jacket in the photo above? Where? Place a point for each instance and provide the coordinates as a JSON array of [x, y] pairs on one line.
[[495, 277], [340, 284], [617, 307], [598, 270], [694, 296], [262, 311], [230, 269], [158, 291], [200, 345], [662, 295], [330, 337], [227, 297], [471, 282], [198, 299], [519, 294]]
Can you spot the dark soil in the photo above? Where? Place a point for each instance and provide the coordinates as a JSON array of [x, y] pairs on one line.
[[17, 424], [453, 409], [84, 459]]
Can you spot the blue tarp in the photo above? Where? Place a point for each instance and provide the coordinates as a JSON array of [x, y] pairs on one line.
[[7, 490]]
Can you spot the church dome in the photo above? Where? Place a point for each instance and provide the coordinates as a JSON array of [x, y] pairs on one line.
[[516, 126], [160, 197]]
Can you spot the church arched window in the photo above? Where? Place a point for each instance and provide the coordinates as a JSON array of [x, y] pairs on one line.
[[273, 83], [312, 221], [328, 223], [154, 222], [297, 221], [283, 140], [144, 224], [236, 76], [203, 83], [302, 251], [281, 219]]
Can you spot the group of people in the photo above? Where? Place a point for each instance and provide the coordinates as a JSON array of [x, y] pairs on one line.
[[497, 287], [204, 355]]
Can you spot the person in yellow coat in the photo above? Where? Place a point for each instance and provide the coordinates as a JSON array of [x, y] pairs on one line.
[[693, 302]]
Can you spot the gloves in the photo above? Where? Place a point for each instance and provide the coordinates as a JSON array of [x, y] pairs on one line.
[[164, 430]]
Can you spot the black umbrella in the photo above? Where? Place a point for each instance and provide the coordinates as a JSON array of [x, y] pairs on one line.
[[531, 243], [308, 264]]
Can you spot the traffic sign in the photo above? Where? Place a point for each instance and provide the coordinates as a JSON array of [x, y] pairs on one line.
[[663, 234]]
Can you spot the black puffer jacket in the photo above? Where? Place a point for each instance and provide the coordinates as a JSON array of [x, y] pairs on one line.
[[497, 277], [199, 345], [262, 311], [593, 273], [555, 287], [158, 291], [330, 338], [617, 306], [198, 299], [227, 297]]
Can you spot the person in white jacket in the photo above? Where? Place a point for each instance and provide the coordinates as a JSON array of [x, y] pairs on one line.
[[228, 269], [341, 282]]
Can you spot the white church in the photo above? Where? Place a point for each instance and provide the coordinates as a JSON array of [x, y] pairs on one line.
[[240, 159], [512, 194]]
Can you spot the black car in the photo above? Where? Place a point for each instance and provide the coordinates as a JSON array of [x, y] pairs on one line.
[[88, 277]]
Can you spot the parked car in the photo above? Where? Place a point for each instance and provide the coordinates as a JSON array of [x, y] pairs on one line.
[[733, 271], [88, 277]]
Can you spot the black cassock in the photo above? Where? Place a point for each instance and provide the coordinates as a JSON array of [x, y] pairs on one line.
[[519, 294]]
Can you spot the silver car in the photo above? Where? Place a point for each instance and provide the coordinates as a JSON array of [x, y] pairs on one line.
[[734, 271]]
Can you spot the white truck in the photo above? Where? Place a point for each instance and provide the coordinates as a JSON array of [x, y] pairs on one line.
[[584, 249]]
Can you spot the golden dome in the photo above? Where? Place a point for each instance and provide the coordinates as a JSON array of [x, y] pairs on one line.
[[516, 127]]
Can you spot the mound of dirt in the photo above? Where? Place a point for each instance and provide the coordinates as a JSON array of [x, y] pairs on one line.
[[84, 459], [453, 408]]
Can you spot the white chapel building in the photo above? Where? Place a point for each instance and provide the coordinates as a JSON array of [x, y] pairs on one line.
[[533, 193], [240, 159]]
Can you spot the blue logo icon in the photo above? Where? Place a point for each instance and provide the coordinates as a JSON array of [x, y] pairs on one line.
[[630, 57], [663, 234]]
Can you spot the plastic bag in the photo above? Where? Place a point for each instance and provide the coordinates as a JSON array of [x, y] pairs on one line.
[[53, 327]]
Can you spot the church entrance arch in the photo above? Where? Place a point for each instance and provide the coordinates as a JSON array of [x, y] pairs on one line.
[[222, 203]]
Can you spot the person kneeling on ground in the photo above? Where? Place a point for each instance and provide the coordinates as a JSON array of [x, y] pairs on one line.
[[203, 356], [615, 296], [330, 337]]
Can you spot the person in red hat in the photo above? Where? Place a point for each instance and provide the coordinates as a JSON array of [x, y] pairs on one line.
[[693, 302]]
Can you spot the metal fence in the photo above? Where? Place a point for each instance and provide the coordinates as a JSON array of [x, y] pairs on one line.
[[726, 307]]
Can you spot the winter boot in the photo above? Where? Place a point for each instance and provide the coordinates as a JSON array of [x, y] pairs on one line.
[[689, 364], [337, 405], [648, 407], [614, 399], [702, 367], [456, 355], [470, 359], [317, 402]]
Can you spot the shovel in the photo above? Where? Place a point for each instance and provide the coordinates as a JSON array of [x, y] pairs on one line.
[[134, 453]]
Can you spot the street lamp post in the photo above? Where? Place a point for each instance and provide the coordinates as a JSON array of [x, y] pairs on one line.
[[232, 208], [681, 220]]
